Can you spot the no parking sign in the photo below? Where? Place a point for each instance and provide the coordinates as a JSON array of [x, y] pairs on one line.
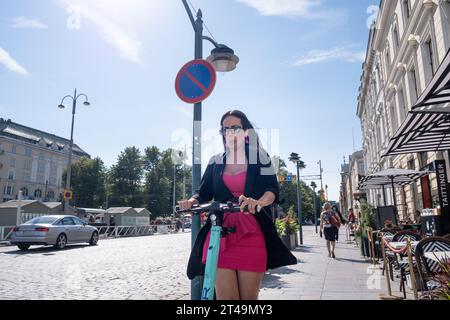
[[195, 81]]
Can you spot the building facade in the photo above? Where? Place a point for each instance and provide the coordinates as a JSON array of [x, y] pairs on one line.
[[406, 45], [351, 173], [32, 161]]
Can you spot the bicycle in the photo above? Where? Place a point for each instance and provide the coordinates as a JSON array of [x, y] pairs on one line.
[[216, 212]]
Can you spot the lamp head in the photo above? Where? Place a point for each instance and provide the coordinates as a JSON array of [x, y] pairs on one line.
[[223, 59]]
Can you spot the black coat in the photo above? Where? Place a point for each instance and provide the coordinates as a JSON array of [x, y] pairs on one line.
[[212, 187]]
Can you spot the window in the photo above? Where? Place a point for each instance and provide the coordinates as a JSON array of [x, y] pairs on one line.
[[379, 76], [396, 36], [26, 176], [68, 221], [41, 156], [406, 10], [402, 105], [42, 220], [12, 162], [8, 190], [27, 164], [394, 120], [381, 131], [24, 191], [38, 193], [361, 167], [414, 85], [13, 149], [41, 167], [28, 152], [11, 175], [78, 221], [40, 178], [430, 57], [423, 159], [388, 58]]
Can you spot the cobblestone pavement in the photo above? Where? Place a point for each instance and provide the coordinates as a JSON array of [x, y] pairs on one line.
[[154, 267], [151, 267]]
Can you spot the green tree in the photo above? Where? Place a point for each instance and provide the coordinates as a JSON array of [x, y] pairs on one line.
[[88, 183], [125, 179], [288, 192], [159, 179]]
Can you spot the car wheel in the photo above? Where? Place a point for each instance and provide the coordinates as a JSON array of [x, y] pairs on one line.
[[94, 239], [61, 241], [23, 247]]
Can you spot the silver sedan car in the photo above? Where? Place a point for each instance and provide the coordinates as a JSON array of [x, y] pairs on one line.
[[53, 230]]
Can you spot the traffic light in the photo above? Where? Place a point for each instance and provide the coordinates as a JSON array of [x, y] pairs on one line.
[[322, 195]]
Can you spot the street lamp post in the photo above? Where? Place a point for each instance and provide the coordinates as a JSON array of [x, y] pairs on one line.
[[224, 60], [314, 186], [69, 164], [326, 192], [299, 164]]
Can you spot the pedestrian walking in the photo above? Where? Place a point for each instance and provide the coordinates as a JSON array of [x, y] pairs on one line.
[[244, 175], [329, 227], [336, 210]]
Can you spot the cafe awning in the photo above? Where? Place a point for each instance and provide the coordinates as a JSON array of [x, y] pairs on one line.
[[421, 132], [436, 96], [427, 126], [398, 177], [392, 177]]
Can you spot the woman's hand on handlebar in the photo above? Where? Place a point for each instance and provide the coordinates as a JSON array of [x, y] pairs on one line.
[[252, 204], [187, 204]]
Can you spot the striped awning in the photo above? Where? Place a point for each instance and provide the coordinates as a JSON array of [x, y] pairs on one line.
[[421, 132], [397, 177], [427, 127], [436, 97]]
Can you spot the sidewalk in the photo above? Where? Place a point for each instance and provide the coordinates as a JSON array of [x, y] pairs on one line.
[[317, 277]]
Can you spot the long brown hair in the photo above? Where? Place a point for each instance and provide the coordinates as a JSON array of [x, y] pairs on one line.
[[252, 137]]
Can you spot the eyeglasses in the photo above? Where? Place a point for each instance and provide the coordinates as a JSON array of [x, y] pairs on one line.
[[231, 130]]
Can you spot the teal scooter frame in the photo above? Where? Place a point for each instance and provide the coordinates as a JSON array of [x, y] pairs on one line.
[[215, 211]]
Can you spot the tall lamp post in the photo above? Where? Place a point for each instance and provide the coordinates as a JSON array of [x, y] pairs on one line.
[[300, 165], [224, 60], [74, 98], [314, 186]]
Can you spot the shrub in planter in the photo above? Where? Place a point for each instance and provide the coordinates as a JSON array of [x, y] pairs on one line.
[[287, 230]]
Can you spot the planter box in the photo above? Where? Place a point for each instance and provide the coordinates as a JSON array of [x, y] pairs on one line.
[[290, 241]]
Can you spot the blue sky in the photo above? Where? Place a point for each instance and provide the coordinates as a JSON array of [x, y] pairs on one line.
[[299, 70]]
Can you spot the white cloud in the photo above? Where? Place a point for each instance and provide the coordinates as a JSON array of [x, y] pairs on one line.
[[345, 53], [126, 43], [22, 22], [300, 8], [11, 64]]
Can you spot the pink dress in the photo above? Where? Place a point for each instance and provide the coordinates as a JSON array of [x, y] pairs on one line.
[[245, 249]]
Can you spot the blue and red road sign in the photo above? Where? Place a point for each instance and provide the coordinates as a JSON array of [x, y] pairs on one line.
[[195, 81]]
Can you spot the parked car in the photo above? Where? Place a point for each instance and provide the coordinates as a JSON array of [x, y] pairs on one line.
[[57, 230]]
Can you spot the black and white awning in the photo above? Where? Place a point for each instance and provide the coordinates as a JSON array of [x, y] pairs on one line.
[[436, 97], [421, 132], [427, 127], [391, 177]]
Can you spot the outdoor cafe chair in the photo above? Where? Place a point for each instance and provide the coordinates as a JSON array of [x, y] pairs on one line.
[[400, 263], [427, 253]]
